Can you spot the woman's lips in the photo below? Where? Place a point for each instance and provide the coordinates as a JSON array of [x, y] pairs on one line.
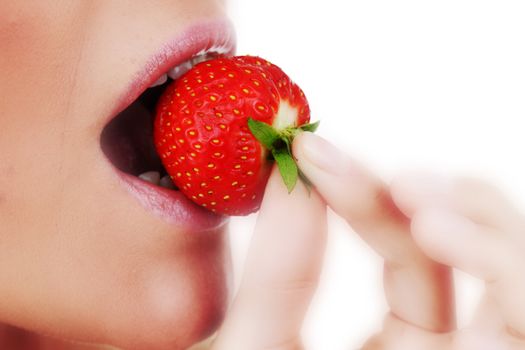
[[171, 205]]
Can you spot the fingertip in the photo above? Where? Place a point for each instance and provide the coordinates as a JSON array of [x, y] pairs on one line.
[[316, 154], [300, 150], [276, 190], [297, 145]]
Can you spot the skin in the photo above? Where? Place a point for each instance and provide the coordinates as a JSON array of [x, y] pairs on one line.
[[62, 212], [83, 263], [80, 259], [423, 226]]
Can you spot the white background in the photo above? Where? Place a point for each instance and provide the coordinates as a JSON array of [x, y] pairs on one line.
[[400, 85]]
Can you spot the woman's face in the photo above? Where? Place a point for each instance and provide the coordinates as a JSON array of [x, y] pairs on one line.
[[87, 251]]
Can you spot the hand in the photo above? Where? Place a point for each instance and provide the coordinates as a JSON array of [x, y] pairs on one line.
[[281, 272], [422, 228]]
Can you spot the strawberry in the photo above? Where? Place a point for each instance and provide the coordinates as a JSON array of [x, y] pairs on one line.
[[219, 127]]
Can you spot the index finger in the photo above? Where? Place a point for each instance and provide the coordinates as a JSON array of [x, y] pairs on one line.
[[419, 290]]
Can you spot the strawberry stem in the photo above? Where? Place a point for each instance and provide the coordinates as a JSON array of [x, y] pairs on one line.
[[279, 143]]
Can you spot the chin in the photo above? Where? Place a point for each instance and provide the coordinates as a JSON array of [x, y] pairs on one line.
[[178, 302]]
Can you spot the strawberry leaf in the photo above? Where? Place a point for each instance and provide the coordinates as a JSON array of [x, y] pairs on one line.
[[312, 127], [263, 132], [288, 142], [287, 167]]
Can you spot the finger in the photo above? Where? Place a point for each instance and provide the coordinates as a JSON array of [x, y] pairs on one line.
[[357, 195], [454, 240], [481, 202], [475, 340], [398, 335], [281, 272], [486, 231], [487, 317], [418, 290]]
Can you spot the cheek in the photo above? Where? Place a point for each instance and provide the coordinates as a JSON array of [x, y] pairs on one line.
[[39, 45], [40, 40]]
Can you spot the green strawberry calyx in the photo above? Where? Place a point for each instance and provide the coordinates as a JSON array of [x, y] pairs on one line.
[[279, 143]]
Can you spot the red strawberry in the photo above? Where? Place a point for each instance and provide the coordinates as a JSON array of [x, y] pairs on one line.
[[219, 125]]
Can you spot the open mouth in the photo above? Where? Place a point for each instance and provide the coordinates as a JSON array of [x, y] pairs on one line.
[[127, 139]]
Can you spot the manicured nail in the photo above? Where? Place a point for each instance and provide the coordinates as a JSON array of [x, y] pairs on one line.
[[324, 155]]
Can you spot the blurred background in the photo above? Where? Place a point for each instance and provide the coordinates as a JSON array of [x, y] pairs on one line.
[[434, 85]]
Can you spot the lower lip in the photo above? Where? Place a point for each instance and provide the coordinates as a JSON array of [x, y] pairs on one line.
[[172, 206]]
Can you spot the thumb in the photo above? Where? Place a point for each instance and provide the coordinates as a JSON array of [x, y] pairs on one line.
[[281, 272]]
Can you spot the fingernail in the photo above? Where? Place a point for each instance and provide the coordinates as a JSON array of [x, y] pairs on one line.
[[324, 155]]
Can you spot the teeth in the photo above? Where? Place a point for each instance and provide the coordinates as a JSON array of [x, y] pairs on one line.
[[160, 81], [218, 49], [200, 58], [180, 70], [167, 183], [151, 177]]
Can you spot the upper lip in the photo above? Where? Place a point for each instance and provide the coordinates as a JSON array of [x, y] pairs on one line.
[[193, 40], [173, 206]]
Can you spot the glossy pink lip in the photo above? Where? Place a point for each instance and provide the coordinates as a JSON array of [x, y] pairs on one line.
[[170, 205]]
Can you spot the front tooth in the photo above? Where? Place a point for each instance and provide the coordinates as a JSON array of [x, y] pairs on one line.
[[217, 50], [167, 183], [160, 81], [151, 177], [198, 59], [180, 70]]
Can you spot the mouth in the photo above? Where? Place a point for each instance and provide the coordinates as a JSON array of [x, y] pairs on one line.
[[127, 138]]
